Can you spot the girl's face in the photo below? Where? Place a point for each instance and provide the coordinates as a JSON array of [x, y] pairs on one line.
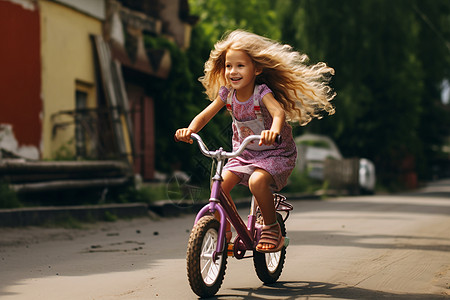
[[240, 71]]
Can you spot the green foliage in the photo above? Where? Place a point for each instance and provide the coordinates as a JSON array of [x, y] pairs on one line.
[[8, 197], [301, 182], [109, 217], [177, 100], [218, 17], [389, 64], [390, 59], [65, 151], [67, 222], [173, 102], [144, 194]]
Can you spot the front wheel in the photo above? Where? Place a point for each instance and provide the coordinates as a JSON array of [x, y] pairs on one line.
[[268, 266], [205, 275]]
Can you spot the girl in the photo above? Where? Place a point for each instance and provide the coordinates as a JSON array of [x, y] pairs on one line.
[[263, 84]]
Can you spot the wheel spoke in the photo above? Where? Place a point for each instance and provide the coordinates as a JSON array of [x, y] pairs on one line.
[[272, 260], [209, 267], [206, 268]]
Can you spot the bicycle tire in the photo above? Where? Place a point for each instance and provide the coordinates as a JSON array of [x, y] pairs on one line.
[[268, 266], [202, 244]]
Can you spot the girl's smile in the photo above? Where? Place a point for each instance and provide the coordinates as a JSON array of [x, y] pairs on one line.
[[241, 72]]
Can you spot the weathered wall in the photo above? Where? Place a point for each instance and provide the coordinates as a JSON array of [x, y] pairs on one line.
[[20, 75], [67, 65]]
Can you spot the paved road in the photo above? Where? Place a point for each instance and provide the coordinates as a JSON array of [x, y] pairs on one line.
[[391, 247]]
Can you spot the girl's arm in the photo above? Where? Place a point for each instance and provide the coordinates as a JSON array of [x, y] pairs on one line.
[[279, 117], [184, 134]]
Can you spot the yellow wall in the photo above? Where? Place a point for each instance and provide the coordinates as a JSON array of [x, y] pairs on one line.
[[67, 60]]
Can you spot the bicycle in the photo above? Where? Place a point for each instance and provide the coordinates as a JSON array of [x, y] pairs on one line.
[[207, 250]]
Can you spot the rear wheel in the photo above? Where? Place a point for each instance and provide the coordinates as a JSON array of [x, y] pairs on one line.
[[268, 266], [204, 273]]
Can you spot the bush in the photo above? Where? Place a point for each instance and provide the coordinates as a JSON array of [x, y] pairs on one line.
[[8, 197], [300, 182], [145, 194]]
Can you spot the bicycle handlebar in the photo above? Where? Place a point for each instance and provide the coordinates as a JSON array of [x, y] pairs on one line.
[[221, 153]]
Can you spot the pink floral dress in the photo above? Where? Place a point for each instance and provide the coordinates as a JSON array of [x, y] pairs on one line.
[[279, 161]]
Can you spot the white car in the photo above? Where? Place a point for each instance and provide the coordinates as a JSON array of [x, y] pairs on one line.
[[314, 149]]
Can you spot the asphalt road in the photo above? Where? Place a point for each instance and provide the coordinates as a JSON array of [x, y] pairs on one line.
[[375, 247]]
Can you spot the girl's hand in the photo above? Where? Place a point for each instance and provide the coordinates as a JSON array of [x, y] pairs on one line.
[[184, 135], [268, 137]]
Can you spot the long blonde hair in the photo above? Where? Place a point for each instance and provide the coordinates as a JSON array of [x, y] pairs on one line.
[[302, 90]]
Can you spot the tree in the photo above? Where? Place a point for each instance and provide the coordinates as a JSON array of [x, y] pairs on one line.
[[387, 78], [217, 17], [179, 99]]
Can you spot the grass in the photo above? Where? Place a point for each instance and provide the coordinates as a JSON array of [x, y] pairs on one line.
[[110, 217], [68, 222], [8, 197]]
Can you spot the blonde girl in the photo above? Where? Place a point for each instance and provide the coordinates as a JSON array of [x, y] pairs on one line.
[[264, 85]]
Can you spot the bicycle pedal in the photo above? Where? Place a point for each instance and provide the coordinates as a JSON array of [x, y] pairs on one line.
[[230, 249]]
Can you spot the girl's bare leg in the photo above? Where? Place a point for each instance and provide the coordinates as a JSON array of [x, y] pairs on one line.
[[259, 184], [229, 182]]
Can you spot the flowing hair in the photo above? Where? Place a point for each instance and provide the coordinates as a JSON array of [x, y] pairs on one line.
[[302, 90]]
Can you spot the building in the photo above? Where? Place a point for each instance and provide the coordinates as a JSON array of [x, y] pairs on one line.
[[73, 76]]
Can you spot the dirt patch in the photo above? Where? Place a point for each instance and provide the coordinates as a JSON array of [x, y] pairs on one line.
[[20, 236]]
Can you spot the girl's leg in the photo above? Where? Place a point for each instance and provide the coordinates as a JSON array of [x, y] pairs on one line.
[[259, 184], [229, 182]]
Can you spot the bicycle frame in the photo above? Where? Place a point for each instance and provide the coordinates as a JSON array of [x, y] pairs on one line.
[[223, 205]]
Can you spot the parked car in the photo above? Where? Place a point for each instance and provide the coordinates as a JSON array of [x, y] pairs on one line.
[[314, 150]]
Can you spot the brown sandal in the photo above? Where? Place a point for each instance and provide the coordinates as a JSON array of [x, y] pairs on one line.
[[271, 234]]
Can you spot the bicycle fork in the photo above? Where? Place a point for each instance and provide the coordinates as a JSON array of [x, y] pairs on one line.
[[227, 211]]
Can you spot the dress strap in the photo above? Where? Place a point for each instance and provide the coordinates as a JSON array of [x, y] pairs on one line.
[[230, 101], [256, 105]]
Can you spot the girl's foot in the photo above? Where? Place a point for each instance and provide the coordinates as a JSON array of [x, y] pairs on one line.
[[271, 239]]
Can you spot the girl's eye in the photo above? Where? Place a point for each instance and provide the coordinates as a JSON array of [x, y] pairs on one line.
[[240, 66]]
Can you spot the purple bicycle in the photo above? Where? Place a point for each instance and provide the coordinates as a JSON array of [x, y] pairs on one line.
[[208, 250]]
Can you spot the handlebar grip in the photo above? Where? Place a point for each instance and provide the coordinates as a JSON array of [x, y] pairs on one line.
[[278, 139]]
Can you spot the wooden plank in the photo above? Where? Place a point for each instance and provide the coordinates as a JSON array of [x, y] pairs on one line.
[[123, 101], [105, 64]]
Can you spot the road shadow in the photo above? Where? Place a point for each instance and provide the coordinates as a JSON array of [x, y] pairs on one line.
[[304, 290], [341, 239]]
